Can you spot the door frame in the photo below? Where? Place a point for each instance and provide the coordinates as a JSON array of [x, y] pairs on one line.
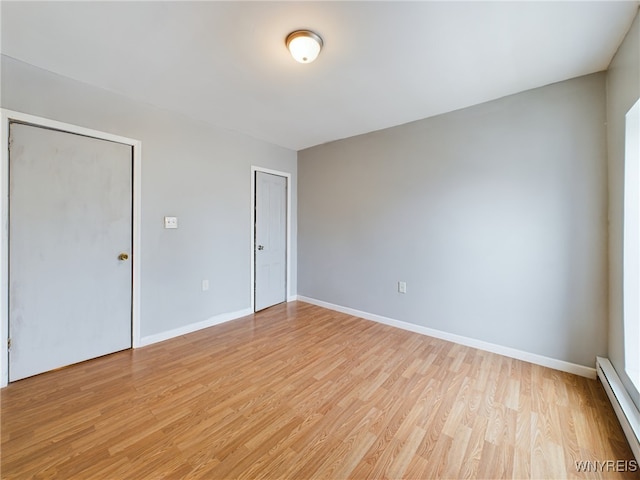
[[8, 116], [287, 176]]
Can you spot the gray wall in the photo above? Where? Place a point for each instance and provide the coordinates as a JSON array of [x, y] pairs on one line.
[[623, 89], [494, 215], [191, 170]]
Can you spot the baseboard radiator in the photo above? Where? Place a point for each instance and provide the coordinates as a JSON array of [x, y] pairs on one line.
[[625, 409]]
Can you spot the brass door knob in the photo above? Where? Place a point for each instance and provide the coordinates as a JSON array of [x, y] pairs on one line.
[[123, 257]]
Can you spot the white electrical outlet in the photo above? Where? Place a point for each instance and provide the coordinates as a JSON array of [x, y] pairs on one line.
[[170, 222], [402, 287], [205, 285]]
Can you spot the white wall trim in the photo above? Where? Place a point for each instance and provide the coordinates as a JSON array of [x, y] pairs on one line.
[[210, 322], [287, 175], [459, 339], [625, 409], [6, 117]]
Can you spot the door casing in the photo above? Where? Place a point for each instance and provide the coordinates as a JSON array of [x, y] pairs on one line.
[[287, 175], [7, 116]]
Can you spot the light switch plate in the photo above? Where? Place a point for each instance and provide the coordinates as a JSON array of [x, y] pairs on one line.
[[170, 222]]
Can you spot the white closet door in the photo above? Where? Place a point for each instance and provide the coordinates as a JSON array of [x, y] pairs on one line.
[[70, 268], [271, 240]]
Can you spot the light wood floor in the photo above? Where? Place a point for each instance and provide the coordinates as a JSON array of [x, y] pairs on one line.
[[300, 392]]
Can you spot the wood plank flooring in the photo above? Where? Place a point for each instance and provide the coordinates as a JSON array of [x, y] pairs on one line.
[[300, 392]]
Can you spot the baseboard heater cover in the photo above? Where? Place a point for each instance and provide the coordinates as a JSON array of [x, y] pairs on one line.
[[625, 409]]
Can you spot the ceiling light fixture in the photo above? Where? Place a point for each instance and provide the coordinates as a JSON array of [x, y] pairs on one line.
[[304, 45]]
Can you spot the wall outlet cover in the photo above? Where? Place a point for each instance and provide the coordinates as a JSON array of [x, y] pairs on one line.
[[170, 222]]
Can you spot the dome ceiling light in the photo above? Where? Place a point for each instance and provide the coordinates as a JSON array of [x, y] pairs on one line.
[[304, 45]]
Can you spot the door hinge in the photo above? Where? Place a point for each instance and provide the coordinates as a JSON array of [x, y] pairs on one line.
[[9, 344]]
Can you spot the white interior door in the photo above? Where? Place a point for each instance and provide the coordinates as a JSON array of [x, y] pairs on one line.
[[70, 237], [270, 240]]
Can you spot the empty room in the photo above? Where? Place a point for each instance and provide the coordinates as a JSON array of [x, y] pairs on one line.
[[332, 240]]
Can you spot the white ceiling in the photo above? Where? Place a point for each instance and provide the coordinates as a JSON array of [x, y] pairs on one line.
[[383, 63]]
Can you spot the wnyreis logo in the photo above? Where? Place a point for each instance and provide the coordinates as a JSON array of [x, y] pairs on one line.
[[607, 466]]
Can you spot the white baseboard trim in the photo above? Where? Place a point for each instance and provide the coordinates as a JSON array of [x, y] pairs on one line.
[[210, 322], [469, 342], [625, 409]]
